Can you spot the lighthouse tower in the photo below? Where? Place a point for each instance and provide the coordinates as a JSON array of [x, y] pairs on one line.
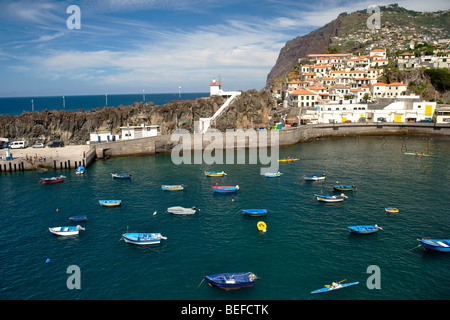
[[215, 87]]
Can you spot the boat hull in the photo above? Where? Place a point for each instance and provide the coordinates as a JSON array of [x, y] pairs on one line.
[[65, 231], [181, 210], [80, 170], [172, 187], [254, 212], [121, 176], [441, 245], [230, 281], [225, 189], [324, 198], [341, 286], [53, 179], [287, 160], [391, 210], [314, 177], [142, 238], [78, 218], [272, 174], [363, 229], [214, 174], [110, 203], [343, 187]]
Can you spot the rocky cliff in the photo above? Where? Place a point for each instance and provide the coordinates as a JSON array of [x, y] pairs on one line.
[[75, 127]]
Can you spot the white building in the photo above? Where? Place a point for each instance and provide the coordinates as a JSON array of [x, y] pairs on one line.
[[135, 132], [103, 136]]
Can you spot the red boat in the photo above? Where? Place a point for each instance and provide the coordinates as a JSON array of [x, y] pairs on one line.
[[53, 179]]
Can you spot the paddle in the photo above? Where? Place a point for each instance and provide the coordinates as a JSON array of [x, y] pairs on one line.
[[329, 285]]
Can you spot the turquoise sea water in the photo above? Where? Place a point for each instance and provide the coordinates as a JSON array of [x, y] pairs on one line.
[[306, 245]]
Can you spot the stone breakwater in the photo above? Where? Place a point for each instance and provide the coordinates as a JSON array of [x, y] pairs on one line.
[[71, 156]]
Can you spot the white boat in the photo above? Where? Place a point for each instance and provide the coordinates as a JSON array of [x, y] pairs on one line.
[[66, 231], [181, 210]]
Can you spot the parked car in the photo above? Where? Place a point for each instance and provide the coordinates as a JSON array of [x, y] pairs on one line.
[[56, 144], [38, 145]]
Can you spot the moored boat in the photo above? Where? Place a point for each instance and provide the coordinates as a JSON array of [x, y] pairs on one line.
[[225, 189], [215, 174], [288, 160], [272, 174], [80, 170], [53, 179], [143, 238], [314, 177], [254, 212], [121, 176], [363, 229], [228, 281], [333, 198], [181, 210], [441, 245], [344, 187], [176, 187], [334, 286], [66, 230], [110, 203], [78, 218], [391, 210]]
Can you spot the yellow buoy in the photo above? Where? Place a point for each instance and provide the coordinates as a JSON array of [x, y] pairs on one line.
[[261, 226]]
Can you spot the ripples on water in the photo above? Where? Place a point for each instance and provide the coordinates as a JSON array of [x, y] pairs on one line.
[[306, 245]]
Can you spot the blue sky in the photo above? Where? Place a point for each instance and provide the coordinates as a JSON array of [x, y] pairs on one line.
[[126, 46]]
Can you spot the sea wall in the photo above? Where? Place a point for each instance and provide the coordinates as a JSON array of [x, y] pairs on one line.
[[287, 136]]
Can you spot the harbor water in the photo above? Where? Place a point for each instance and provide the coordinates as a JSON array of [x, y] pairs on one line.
[[306, 246]]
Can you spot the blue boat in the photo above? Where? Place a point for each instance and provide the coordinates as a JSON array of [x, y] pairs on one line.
[[254, 212], [143, 238], [334, 286], [121, 176], [78, 218], [344, 187], [364, 229], [110, 203], [228, 281], [225, 189], [441, 245], [314, 177], [325, 198], [80, 170]]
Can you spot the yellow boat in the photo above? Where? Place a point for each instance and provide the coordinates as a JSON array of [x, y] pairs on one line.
[[287, 160], [214, 174]]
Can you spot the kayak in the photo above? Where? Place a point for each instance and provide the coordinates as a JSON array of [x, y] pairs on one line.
[[331, 288], [419, 154]]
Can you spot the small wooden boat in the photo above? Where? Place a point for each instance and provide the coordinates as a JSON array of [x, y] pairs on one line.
[[334, 286], [121, 176], [441, 245], [66, 231], [391, 210], [254, 212], [325, 198], [143, 238], [53, 179], [80, 170], [181, 210], [343, 187], [78, 218], [364, 229], [314, 177], [176, 187], [215, 174], [225, 189], [288, 160], [228, 281], [110, 203], [272, 174]]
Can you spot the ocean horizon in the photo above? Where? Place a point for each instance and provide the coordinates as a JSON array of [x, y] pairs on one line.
[[17, 105]]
